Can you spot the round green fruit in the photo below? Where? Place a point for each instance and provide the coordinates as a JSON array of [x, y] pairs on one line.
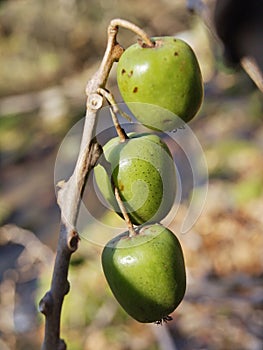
[[144, 173], [146, 272], [161, 83]]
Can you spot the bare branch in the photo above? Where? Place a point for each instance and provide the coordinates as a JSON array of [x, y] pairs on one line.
[[69, 197], [70, 192]]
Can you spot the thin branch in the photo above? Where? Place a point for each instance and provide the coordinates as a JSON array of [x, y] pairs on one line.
[[70, 192], [69, 197]]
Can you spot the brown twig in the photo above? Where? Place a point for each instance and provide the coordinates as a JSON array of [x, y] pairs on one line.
[[70, 192], [69, 197]]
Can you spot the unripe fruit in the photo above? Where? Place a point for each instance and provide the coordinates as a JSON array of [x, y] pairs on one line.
[[166, 75], [144, 173], [146, 272]]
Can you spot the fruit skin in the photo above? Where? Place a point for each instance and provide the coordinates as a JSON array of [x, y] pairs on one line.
[[143, 170], [146, 272], [166, 75]]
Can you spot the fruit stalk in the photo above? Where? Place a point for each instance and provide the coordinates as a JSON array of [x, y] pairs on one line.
[[120, 131], [132, 27], [127, 219], [113, 111]]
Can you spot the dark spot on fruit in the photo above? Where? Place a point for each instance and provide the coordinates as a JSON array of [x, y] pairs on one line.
[[135, 89], [123, 71], [121, 187], [130, 74], [175, 40], [176, 53]]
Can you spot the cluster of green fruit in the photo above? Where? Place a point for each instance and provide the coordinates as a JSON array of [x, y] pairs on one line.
[[145, 267]]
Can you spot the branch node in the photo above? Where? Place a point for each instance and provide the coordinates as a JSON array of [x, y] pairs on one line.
[[117, 52], [113, 29], [111, 101], [94, 102], [67, 288], [62, 345], [73, 240], [60, 184], [46, 303]]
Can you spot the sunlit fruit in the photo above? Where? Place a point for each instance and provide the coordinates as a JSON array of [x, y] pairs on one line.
[[146, 272], [144, 173], [161, 83]]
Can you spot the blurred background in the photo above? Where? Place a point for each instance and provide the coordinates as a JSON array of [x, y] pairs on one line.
[[48, 51]]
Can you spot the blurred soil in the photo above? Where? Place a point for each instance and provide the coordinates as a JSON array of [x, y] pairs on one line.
[[48, 51]]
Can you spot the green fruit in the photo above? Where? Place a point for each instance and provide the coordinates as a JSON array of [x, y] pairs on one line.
[[143, 170], [146, 272], [167, 77]]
